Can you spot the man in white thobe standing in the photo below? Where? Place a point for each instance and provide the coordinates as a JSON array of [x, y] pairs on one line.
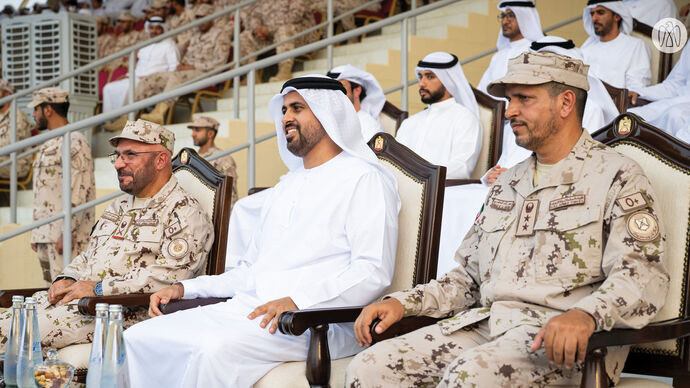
[[366, 95], [650, 12], [520, 26], [614, 56], [448, 131], [670, 109], [326, 237], [156, 57]]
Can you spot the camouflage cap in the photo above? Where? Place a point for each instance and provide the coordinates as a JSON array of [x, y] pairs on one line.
[[6, 86], [203, 10], [146, 132], [539, 68], [49, 95], [204, 122], [158, 4], [126, 17]]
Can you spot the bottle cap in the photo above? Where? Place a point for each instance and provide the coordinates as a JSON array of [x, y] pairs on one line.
[[101, 307], [115, 308], [17, 298], [29, 299]]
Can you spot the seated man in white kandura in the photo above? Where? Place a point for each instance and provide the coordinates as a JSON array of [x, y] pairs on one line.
[[326, 237], [448, 132]]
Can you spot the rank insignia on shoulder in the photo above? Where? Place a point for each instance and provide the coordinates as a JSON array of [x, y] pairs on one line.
[[632, 202], [178, 248], [643, 226]]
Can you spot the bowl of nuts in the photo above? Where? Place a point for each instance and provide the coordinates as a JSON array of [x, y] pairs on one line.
[[53, 373]]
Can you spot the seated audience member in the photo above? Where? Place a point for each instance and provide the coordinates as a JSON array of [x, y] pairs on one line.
[[143, 242], [181, 15], [204, 131], [448, 132], [23, 127], [269, 22], [650, 12], [614, 56], [97, 8], [524, 300], [128, 37], [342, 6], [520, 26], [670, 109], [106, 39], [366, 95], [154, 58], [208, 48], [327, 238]]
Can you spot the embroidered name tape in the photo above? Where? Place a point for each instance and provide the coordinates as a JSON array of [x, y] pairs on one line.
[[564, 202], [500, 204]]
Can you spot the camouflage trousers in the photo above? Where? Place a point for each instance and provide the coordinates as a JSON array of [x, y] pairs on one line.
[[23, 167], [61, 326], [249, 43], [51, 260], [163, 81], [467, 358]]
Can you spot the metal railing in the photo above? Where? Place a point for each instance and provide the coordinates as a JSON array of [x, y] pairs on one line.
[[248, 69]]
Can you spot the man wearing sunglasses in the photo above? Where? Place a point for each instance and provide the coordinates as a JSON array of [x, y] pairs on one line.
[[144, 241]]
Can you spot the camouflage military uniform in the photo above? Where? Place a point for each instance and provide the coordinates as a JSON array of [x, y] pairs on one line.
[[47, 181], [283, 18], [177, 21], [342, 6], [205, 52], [106, 44], [226, 165], [122, 42], [135, 247], [587, 237], [23, 131]]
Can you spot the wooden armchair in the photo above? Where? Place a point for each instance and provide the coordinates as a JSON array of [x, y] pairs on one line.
[[666, 162], [619, 97], [661, 62], [391, 118], [420, 186], [213, 191]]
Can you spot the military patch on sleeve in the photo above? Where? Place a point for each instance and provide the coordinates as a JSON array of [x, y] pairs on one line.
[[110, 216], [173, 229], [643, 226], [178, 248], [632, 202], [500, 204]]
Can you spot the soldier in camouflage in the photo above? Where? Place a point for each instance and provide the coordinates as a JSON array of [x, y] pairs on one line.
[[182, 15], [269, 22], [204, 131], [50, 107], [106, 40], [128, 37], [568, 242], [145, 241], [23, 127], [208, 49]]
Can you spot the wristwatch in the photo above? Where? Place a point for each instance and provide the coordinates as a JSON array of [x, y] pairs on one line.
[[98, 289]]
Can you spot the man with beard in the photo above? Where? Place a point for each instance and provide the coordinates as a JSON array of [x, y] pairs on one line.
[[448, 132], [154, 236], [520, 25], [613, 55], [326, 237], [569, 241], [50, 107], [204, 131]]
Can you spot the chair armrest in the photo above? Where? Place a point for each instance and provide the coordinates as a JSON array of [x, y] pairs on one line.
[[296, 322], [594, 372], [460, 182], [6, 295], [404, 326], [185, 304], [639, 102], [87, 305]]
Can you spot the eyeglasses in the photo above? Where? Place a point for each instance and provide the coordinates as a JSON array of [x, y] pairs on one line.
[[127, 156], [507, 15]]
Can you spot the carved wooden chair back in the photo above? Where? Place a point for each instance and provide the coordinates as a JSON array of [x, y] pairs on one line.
[[491, 115]]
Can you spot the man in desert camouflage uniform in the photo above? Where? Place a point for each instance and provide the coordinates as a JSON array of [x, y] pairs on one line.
[[128, 37], [23, 127], [182, 16], [568, 242], [204, 131], [145, 241], [50, 107], [269, 22], [106, 40], [208, 49]]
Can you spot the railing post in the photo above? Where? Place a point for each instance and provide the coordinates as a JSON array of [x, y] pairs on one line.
[[236, 58], [329, 50], [131, 74], [403, 63], [251, 136], [13, 162], [413, 22], [66, 200]]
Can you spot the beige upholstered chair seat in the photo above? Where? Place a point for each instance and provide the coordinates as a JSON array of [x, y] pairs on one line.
[[291, 374]]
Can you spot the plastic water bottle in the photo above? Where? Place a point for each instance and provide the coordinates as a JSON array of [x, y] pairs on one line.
[[13, 341], [114, 356], [93, 376], [30, 350]]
